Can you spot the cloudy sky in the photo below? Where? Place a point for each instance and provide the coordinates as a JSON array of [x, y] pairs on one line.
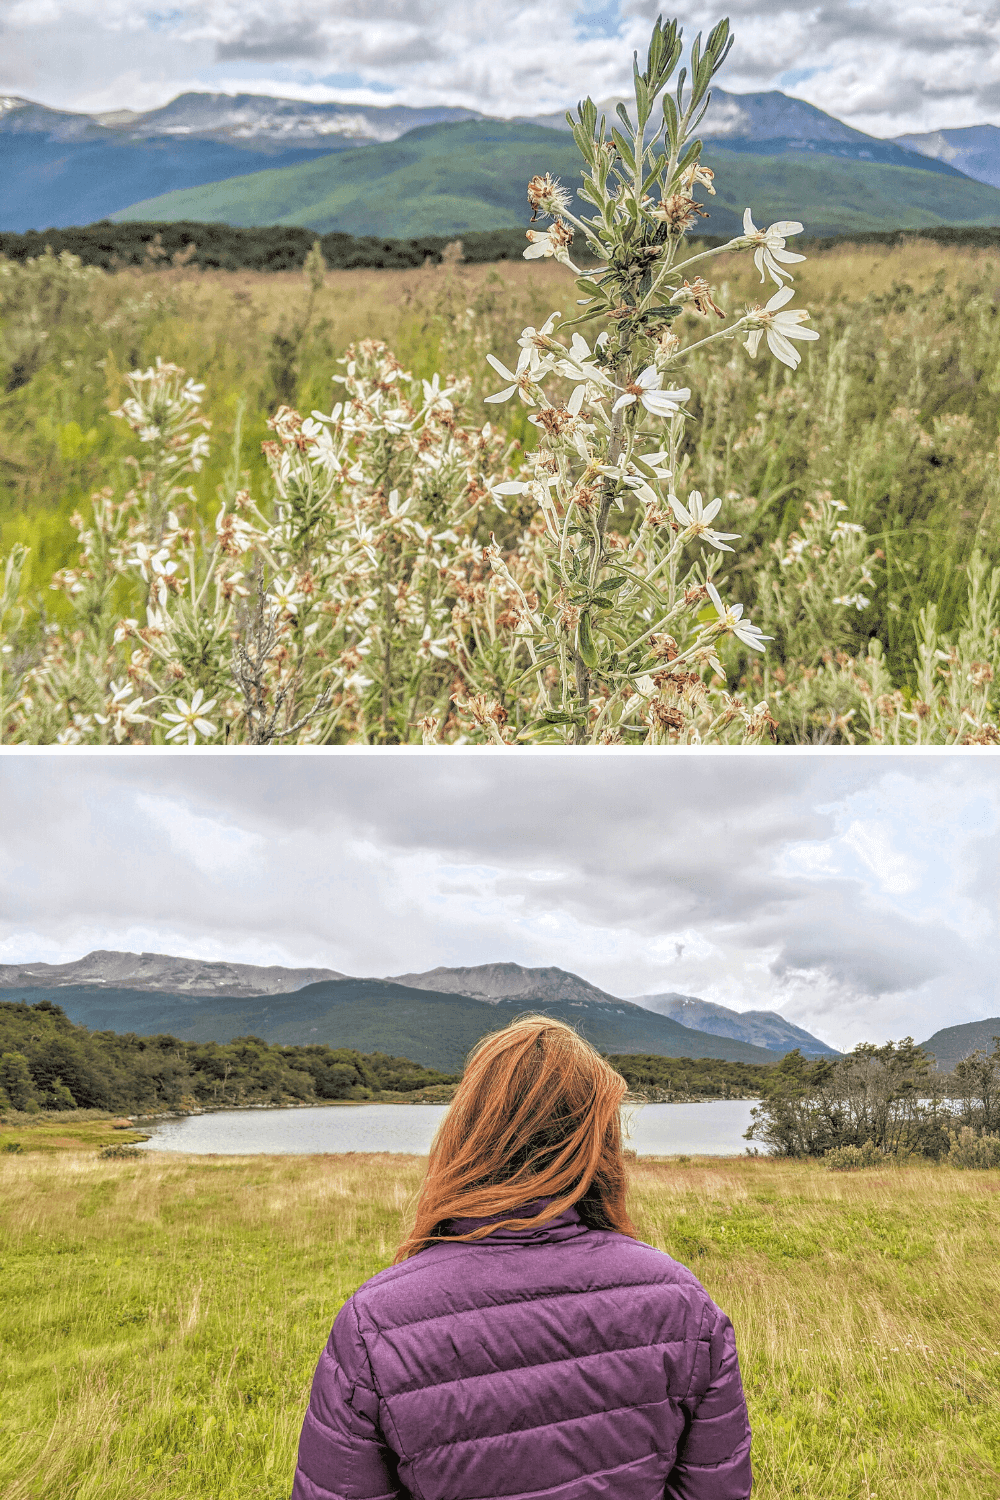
[[855, 893], [885, 66]]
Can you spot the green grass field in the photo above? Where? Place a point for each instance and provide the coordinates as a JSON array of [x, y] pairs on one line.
[[162, 1317]]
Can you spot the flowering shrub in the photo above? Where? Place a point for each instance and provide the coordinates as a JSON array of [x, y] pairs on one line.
[[414, 576]]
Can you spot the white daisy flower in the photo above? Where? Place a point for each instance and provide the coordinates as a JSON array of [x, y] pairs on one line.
[[770, 244], [189, 720], [731, 616], [646, 388], [779, 327], [529, 367], [555, 240], [695, 517], [284, 595]]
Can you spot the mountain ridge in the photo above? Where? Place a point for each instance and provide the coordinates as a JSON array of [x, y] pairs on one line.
[[65, 167], [492, 983], [973, 149], [162, 972], [763, 1028], [953, 1043]]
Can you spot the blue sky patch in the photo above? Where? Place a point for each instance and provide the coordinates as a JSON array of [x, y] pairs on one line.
[[597, 19]]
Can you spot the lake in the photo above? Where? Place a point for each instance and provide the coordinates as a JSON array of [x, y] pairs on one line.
[[714, 1129]]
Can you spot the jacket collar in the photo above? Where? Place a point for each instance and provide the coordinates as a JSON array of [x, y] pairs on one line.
[[566, 1226]]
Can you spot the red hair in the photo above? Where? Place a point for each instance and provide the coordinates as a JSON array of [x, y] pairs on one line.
[[536, 1115]]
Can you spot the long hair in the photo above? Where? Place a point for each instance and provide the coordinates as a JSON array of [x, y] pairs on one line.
[[536, 1115]]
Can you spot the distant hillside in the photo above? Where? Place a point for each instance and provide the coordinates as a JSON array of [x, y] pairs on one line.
[[974, 150], [161, 973], [62, 168], [51, 1063], [764, 1028], [449, 179], [440, 179], [373, 1015], [952, 1043]]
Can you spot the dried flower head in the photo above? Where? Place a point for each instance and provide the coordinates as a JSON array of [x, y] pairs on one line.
[[546, 195]]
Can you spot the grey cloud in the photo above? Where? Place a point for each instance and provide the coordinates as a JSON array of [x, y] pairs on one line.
[[648, 848], [273, 42]]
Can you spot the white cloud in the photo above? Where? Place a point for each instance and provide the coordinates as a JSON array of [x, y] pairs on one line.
[[896, 874], [884, 66], [214, 847]]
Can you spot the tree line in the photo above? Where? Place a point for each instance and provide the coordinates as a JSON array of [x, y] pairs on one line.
[[273, 248], [891, 1100], [47, 1062], [665, 1079], [284, 247]]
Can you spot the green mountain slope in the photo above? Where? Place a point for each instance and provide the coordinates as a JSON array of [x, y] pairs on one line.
[[375, 1015], [453, 179], [436, 180], [952, 1043]]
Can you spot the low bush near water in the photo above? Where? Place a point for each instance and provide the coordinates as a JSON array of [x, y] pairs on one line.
[[971, 1151], [850, 1158]]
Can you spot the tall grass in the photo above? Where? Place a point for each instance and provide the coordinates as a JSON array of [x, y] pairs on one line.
[[161, 1318], [892, 413]]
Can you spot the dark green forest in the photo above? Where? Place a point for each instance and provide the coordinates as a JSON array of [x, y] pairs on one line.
[[47, 1062], [669, 1078], [223, 247], [279, 247]]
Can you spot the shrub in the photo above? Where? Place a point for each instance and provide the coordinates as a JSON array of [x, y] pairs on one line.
[[118, 1152], [13, 1148], [850, 1158], [970, 1151]]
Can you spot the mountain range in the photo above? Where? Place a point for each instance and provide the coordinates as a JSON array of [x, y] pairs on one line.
[[431, 1027], [432, 1017], [974, 150], [160, 973], [764, 1028], [953, 1043], [63, 168], [451, 179]]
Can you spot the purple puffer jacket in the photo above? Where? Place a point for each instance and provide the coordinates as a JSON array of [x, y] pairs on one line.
[[557, 1363]]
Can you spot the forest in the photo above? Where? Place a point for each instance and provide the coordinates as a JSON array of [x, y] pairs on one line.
[[48, 1063], [226, 247], [883, 1103], [672, 1080], [284, 247]]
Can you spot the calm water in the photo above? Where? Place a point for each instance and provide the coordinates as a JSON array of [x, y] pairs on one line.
[[655, 1129]]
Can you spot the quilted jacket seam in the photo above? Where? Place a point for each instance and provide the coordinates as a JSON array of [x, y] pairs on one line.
[[597, 1474], [702, 1339], [533, 1297], [383, 1403], [609, 1411], [543, 1364]]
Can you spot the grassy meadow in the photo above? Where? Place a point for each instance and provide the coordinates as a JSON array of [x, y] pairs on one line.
[[162, 1316], [893, 412]]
